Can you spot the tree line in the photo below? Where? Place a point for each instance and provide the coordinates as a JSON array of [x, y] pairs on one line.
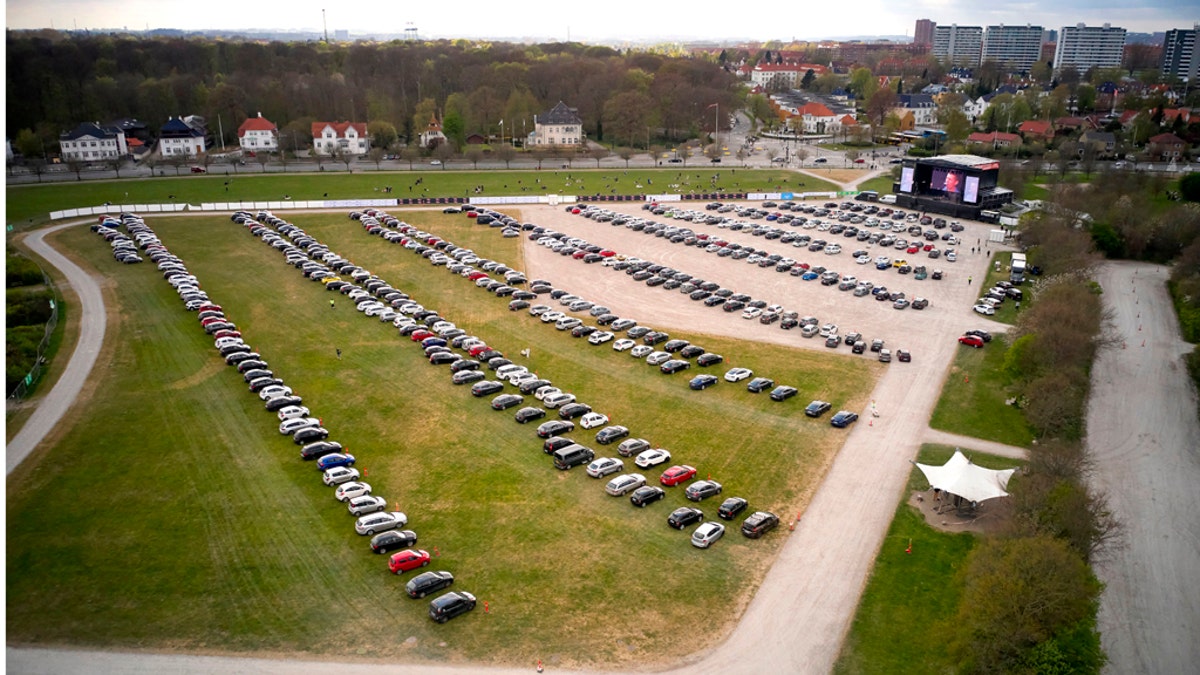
[[622, 96]]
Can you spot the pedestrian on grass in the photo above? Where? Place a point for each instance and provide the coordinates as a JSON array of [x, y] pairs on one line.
[[331, 304], [339, 354]]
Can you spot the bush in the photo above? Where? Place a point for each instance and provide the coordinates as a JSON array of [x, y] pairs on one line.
[[21, 345], [21, 271], [1189, 187], [28, 308], [1193, 365]]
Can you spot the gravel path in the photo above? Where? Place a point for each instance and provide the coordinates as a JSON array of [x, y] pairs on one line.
[[1145, 439], [56, 402]]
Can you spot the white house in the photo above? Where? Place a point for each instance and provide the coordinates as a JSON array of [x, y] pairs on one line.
[[258, 134], [182, 137], [330, 137], [90, 142], [560, 126], [922, 107], [433, 135]]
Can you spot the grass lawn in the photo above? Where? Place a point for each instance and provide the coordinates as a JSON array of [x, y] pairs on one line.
[[905, 616], [972, 401], [182, 520], [35, 201], [881, 184], [1006, 312]]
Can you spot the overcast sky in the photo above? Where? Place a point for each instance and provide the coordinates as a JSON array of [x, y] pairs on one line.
[[603, 20]]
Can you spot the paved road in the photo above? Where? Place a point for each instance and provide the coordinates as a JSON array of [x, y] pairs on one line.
[[1145, 439], [52, 407]]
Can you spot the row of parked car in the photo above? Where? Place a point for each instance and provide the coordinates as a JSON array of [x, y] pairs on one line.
[[441, 339], [337, 466]]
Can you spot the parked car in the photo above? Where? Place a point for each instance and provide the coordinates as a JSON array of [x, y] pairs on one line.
[[702, 489], [707, 534], [971, 341], [652, 457], [380, 522], [632, 446], [684, 516], [593, 420], [817, 408], [705, 381], [364, 504], [611, 434], [408, 560], [759, 523], [603, 466], [450, 605], [843, 419], [348, 491], [428, 582], [625, 483], [783, 393], [554, 428], [760, 384], [677, 474], [393, 539], [646, 494], [506, 401], [529, 414], [731, 507], [738, 374], [335, 460]]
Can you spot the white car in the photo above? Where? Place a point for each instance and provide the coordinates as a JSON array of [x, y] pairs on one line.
[[348, 491], [338, 475], [568, 322], [640, 351], [752, 313], [517, 379], [604, 466], [401, 321], [986, 310], [777, 309], [624, 484], [593, 420], [652, 457], [863, 259], [292, 411], [551, 317], [291, 426], [548, 390], [623, 344], [380, 522], [829, 329], [600, 337], [273, 391], [883, 260], [558, 400], [833, 249], [387, 315], [708, 533], [951, 256], [738, 374], [658, 358], [508, 370], [538, 310], [364, 504]]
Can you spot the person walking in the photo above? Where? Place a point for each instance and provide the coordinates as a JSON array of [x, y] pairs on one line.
[[331, 304], [969, 280], [339, 354]]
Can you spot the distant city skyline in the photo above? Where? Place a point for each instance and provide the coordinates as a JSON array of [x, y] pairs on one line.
[[612, 21]]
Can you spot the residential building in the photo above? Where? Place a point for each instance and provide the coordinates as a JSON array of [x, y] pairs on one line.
[[258, 134], [1041, 130], [90, 142], [561, 125], [922, 107], [183, 137], [330, 138], [1083, 47], [786, 75], [1102, 143], [817, 119], [1016, 47], [958, 45], [923, 33], [1166, 147], [433, 135], [1179, 53], [996, 139]]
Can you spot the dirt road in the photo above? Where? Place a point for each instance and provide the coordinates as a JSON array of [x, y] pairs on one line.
[[1145, 439], [52, 407]]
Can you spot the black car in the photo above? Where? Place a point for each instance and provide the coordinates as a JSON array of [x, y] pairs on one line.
[[653, 337], [691, 351], [759, 523], [731, 507], [442, 358], [700, 382], [981, 334], [554, 428], [832, 342], [573, 410], [903, 356], [427, 582], [529, 414], [310, 435], [319, 449], [647, 494], [817, 408], [486, 387], [280, 402], [465, 364], [684, 516], [611, 434], [264, 382], [760, 384], [636, 332], [582, 331], [393, 539], [709, 359], [674, 366], [450, 605], [532, 385], [843, 419], [506, 401], [556, 443], [783, 393], [673, 346]]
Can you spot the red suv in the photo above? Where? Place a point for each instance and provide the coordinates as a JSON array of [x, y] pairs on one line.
[[971, 341]]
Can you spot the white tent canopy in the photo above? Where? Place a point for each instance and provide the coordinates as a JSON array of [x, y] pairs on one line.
[[960, 477]]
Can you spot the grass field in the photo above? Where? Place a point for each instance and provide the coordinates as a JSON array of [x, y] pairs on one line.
[[180, 519], [881, 184], [973, 398], [905, 616], [1007, 312], [35, 201]]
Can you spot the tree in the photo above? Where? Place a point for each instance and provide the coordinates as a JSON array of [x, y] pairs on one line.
[[28, 144], [376, 155], [454, 129], [382, 134], [880, 104], [506, 153], [1189, 187], [1022, 593], [598, 152], [410, 154], [473, 154], [263, 158], [443, 152], [627, 115], [957, 126], [76, 166], [807, 81], [115, 163]]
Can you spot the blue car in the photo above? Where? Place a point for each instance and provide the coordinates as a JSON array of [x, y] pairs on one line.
[[335, 459], [882, 265], [433, 342], [843, 419], [809, 276]]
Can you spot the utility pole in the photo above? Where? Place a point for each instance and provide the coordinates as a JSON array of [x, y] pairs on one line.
[[325, 26]]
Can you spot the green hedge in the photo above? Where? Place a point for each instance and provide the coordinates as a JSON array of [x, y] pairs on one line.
[[1189, 315]]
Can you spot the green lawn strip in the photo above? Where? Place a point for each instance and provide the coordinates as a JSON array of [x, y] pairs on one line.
[[881, 184], [182, 519], [973, 398], [1007, 311], [35, 201], [904, 619]]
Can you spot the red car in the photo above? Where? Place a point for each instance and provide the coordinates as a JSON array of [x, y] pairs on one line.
[[927, 247], [914, 248], [579, 255], [210, 306], [677, 474], [199, 169], [475, 276], [860, 160], [971, 341], [419, 335], [408, 559], [472, 214], [478, 349], [607, 253], [227, 333]]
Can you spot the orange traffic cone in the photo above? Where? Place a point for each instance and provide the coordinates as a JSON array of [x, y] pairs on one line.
[[539, 666]]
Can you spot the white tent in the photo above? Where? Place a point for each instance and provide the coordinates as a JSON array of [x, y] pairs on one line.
[[960, 477]]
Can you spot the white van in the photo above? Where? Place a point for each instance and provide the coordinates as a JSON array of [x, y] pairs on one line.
[[887, 199]]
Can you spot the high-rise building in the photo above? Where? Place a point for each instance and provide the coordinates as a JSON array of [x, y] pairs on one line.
[[958, 45], [1084, 47], [1179, 53], [923, 34], [1017, 47]]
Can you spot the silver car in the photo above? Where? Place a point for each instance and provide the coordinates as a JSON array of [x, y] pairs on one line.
[[624, 484], [380, 522], [364, 504]]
